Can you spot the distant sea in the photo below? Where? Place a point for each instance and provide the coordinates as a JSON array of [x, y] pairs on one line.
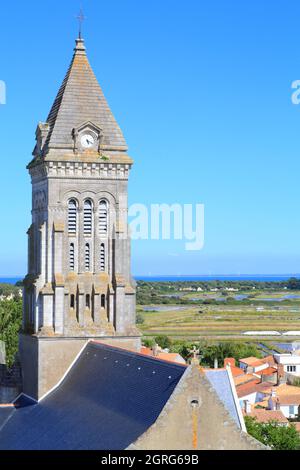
[[214, 277], [10, 280]]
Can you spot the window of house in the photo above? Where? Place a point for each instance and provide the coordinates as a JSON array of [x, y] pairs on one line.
[[72, 301], [72, 216], [291, 410], [102, 301], [88, 301], [291, 368]]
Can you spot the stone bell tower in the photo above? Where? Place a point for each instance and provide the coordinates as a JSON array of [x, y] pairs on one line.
[[79, 284]]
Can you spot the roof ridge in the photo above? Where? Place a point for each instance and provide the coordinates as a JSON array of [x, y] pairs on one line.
[[136, 353]]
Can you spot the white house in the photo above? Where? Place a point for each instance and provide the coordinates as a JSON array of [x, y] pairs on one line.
[[285, 398], [252, 364], [290, 363]]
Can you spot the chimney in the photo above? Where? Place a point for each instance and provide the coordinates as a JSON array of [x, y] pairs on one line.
[[155, 350], [280, 374], [229, 361], [247, 406]]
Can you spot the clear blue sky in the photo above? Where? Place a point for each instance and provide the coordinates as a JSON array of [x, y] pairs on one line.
[[202, 91]]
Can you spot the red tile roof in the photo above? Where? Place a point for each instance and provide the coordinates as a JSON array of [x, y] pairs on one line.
[[237, 371], [252, 361], [164, 356], [246, 378], [264, 416], [268, 371], [230, 361], [269, 360], [253, 387]]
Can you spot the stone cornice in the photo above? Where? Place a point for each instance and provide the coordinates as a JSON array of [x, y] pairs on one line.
[[77, 170]]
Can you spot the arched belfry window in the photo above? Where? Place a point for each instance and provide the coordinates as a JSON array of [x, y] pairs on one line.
[[72, 257], [102, 257], [87, 217], [87, 259], [72, 216], [103, 217]]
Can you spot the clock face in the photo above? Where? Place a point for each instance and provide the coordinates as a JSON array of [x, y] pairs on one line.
[[87, 141]]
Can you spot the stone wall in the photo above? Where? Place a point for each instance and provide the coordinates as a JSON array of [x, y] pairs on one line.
[[10, 383], [46, 360], [195, 418]]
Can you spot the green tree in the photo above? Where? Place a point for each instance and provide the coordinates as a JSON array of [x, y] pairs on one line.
[[163, 341], [148, 342], [183, 348], [10, 325], [293, 283], [273, 435], [139, 318]]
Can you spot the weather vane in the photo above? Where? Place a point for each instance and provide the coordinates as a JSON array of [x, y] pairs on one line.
[[81, 19]]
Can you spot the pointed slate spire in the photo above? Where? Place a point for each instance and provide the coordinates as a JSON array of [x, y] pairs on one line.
[[80, 99]]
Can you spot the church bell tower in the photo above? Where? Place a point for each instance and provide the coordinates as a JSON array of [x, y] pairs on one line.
[[79, 283]]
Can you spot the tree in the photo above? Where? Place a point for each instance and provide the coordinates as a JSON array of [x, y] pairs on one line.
[[293, 283], [273, 435], [139, 318], [220, 351], [148, 342], [10, 325], [163, 341]]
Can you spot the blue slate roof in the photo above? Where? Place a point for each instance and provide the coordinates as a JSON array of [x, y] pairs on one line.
[[5, 413], [108, 399], [219, 379]]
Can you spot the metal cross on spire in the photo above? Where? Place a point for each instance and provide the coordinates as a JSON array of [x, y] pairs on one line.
[[80, 19]]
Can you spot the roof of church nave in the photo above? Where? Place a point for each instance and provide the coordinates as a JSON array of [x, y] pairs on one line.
[[109, 399]]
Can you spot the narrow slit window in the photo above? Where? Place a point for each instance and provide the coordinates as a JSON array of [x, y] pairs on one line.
[[72, 301], [87, 257], [88, 301], [72, 216], [72, 257], [102, 257], [103, 301], [103, 218], [87, 218]]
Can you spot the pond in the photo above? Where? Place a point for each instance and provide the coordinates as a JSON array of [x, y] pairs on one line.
[[280, 299], [162, 308]]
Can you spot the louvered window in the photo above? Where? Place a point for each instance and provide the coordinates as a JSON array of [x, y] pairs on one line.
[[87, 218], [103, 218], [87, 257], [72, 257], [102, 257], [72, 216]]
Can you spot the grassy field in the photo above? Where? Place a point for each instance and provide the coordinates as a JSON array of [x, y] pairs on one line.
[[222, 321]]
